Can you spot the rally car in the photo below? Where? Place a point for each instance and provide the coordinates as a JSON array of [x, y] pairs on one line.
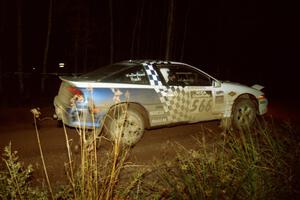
[[135, 95]]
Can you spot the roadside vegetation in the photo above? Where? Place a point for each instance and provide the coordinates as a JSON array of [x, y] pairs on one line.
[[256, 164], [260, 163]]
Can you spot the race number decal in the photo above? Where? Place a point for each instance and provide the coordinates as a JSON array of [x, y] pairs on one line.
[[201, 105]]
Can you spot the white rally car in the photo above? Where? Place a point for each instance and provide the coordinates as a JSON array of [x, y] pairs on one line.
[[156, 93]]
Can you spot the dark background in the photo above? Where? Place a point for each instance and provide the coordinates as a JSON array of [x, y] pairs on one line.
[[247, 41]]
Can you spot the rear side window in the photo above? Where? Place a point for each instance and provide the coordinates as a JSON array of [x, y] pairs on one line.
[[134, 75]]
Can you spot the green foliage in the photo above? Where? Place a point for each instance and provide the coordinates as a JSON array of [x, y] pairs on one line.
[[15, 179]]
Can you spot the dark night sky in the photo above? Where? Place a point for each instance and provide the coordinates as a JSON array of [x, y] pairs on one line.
[[248, 41]]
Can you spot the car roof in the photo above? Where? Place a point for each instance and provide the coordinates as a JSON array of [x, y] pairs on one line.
[[152, 62]]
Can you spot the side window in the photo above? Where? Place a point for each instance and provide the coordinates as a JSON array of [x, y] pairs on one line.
[[165, 72], [203, 80], [135, 75], [183, 76]]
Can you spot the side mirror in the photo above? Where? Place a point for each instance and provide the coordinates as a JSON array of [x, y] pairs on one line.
[[216, 84]]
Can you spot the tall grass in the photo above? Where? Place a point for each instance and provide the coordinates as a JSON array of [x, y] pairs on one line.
[[259, 163], [243, 165], [94, 176], [36, 114]]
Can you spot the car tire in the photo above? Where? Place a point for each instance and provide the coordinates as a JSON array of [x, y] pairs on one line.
[[243, 114], [128, 124]]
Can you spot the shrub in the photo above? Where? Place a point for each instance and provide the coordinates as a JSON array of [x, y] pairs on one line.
[[15, 179]]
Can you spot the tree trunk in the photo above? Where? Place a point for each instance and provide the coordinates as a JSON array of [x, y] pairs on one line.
[[1, 75], [169, 38], [86, 42], [136, 33], [133, 36], [20, 47], [76, 46], [139, 31], [77, 33], [2, 11], [111, 31], [46, 50], [184, 33], [220, 38], [85, 53]]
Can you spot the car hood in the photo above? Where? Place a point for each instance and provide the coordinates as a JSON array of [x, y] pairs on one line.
[[240, 88]]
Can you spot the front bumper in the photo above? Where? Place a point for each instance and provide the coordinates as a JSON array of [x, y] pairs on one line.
[[263, 106]]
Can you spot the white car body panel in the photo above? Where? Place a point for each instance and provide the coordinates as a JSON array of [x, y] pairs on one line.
[[163, 104]]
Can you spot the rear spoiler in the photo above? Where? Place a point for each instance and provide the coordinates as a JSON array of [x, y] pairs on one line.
[[68, 78], [257, 87]]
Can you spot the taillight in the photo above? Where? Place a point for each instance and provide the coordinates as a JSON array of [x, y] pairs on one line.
[[77, 95], [74, 90]]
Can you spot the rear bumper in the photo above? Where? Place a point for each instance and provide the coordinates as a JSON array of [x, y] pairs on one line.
[[58, 109], [63, 112], [67, 114], [76, 117]]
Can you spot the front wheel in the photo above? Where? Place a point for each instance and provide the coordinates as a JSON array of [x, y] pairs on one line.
[[243, 113], [125, 125]]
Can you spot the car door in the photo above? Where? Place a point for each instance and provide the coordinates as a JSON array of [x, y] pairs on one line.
[[202, 96], [201, 93], [205, 99], [174, 96]]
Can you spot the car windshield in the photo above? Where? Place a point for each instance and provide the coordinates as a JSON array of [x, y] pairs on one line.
[[105, 71]]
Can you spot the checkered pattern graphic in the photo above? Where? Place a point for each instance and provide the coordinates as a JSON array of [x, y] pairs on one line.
[[175, 101], [153, 76]]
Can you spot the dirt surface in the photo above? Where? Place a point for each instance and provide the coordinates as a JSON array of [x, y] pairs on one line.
[[17, 128]]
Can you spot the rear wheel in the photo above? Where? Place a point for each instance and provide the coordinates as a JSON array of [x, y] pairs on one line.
[[243, 113], [125, 125]]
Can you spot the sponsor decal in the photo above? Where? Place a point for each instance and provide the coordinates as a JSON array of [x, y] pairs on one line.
[[201, 105], [159, 107], [201, 94], [157, 112], [117, 94], [136, 76], [158, 119], [77, 98], [232, 93]]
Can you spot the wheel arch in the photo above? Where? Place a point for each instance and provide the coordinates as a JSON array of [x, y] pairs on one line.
[[138, 107], [246, 96]]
